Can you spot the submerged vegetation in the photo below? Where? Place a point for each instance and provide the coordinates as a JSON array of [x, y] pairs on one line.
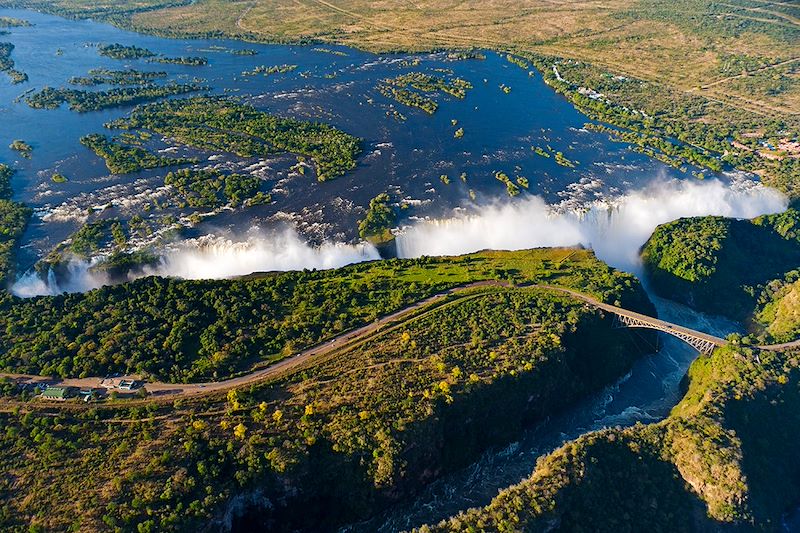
[[229, 126], [83, 101]]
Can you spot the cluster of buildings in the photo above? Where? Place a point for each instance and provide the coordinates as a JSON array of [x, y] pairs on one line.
[[87, 394], [61, 393]]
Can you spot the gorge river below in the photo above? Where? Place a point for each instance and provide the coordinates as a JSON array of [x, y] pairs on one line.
[[603, 194], [646, 394]]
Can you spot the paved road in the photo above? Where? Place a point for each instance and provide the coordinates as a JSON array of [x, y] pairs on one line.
[[159, 389], [170, 390], [781, 347]]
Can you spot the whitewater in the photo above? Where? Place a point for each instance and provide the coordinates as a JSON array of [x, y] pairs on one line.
[[614, 228]]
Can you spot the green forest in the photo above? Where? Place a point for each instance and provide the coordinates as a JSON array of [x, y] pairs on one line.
[[122, 157], [218, 328], [328, 426], [418, 89], [101, 76], [719, 264], [121, 51], [190, 61], [212, 189], [83, 101], [229, 126], [379, 220], [7, 64], [723, 459], [14, 218], [505, 355]]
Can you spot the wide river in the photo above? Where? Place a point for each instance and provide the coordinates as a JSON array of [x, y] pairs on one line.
[[330, 84], [611, 198]]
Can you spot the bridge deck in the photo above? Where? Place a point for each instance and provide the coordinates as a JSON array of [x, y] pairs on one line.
[[698, 339]]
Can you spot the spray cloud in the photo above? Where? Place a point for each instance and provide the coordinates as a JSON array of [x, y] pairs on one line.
[[615, 229]]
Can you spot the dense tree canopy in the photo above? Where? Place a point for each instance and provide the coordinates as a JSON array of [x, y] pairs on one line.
[[717, 263], [180, 330]]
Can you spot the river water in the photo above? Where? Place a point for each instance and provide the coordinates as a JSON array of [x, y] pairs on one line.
[[405, 157], [646, 394], [331, 84]]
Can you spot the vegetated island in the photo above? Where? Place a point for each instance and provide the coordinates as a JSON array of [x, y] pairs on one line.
[[226, 125], [379, 220], [189, 61], [24, 149], [101, 76], [12, 22], [7, 64], [268, 71], [416, 89], [212, 189], [494, 355], [704, 75], [84, 101], [121, 51], [123, 157]]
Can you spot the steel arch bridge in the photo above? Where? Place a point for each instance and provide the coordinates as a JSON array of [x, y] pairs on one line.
[[704, 344]]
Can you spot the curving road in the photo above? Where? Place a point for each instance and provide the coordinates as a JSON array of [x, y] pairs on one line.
[[159, 389], [358, 335]]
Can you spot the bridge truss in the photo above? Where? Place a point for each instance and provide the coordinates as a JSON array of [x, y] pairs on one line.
[[702, 345]]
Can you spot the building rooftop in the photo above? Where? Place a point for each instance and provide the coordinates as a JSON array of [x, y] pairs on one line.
[[58, 393]]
